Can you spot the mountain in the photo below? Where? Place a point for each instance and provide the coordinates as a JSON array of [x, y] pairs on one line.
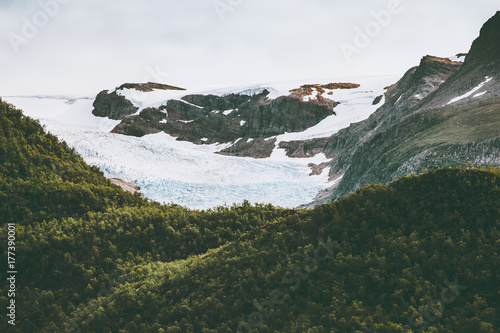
[[204, 175], [440, 114], [443, 112], [249, 122], [292, 143], [420, 253]]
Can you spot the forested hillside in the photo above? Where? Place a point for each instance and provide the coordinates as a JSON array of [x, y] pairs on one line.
[[420, 254]]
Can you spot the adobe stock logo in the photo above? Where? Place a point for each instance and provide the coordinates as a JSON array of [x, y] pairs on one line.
[[225, 6], [40, 19], [363, 37]]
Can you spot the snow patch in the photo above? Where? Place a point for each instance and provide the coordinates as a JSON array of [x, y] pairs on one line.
[[456, 99], [313, 96], [228, 112], [355, 105], [74, 113], [196, 106]]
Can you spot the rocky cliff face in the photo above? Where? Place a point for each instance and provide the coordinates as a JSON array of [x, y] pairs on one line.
[[419, 82], [113, 106]]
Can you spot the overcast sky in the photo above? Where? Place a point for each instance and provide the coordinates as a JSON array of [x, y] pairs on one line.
[[79, 47]]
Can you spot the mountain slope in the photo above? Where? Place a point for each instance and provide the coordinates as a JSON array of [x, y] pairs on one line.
[[75, 230], [391, 249], [440, 114]]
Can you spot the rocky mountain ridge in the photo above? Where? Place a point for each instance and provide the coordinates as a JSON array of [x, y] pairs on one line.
[[440, 114], [249, 122]]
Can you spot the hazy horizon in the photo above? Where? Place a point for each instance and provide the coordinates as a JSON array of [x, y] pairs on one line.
[[71, 47]]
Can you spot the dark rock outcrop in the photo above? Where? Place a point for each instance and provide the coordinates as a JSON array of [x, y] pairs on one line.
[[148, 122], [482, 61], [377, 100], [305, 148], [248, 147], [485, 50], [113, 106], [147, 87]]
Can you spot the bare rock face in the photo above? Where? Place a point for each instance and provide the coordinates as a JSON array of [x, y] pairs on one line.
[[247, 121], [440, 114], [419, 82], [248, 147], [482, 61], [137, 126], [125, 185], [304, 149], [113, 106]]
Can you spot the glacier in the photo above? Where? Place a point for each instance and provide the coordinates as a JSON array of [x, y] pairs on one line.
[[183, 173]]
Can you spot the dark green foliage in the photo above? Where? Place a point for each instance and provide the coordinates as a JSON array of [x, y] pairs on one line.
[[93, 258]]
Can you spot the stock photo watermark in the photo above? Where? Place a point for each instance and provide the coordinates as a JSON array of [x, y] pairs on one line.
[[30, 27], [223, 7], [10, 238], [363, 36], [294, 278], [421, 318]]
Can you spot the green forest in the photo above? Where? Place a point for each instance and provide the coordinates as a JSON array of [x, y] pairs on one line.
[[418, 255]]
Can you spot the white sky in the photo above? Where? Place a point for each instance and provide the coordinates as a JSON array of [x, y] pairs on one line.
[[91, 45]]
